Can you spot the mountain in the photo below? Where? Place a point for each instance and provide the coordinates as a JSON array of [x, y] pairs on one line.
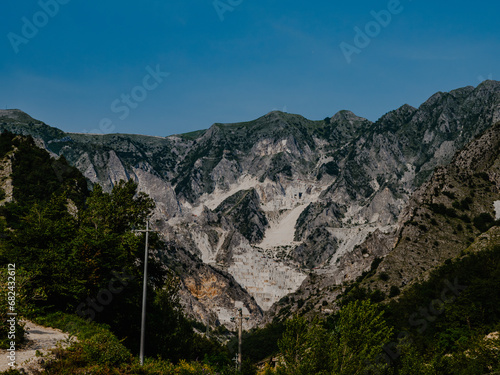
[[282, 204], [448, 214], [454, 213]]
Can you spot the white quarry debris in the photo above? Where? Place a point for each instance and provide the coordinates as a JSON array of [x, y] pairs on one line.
[[265, 279], [281, 231], [283, 210], [218, 196], [269, 147], [353, 236], [497, 209], [208, 253], [224, 315]]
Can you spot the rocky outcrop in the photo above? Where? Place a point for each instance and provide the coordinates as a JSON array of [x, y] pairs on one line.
[[446, 214], [244, 211]]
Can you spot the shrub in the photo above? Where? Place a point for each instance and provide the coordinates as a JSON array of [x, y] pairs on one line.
[[394, 291], [449, 194], [377, 296], [384, 276], [483, 222], [104, 348]]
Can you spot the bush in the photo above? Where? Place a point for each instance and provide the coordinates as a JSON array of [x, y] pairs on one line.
[[98, 351], [483, 222], [449, 194], [384, 276], [441, 209], [104, 348], [377, 296], [394, 291]]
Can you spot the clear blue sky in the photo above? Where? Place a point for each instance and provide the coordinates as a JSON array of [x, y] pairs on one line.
[[235, 65]]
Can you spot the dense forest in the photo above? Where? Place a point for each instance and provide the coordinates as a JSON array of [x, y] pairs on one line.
[[79, 257]]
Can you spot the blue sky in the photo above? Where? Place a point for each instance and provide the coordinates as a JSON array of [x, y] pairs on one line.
[[83, 66]]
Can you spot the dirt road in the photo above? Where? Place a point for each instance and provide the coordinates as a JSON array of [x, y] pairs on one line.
[[39, 338]]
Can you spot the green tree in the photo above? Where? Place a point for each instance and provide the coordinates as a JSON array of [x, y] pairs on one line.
[[303, 348], [353, 346], [42, 247], [357, 339], [412, 362]]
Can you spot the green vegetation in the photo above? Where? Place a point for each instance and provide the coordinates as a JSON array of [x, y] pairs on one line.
[[192, 135], [445, 325], [311, 348], [76, 254], [99, 351], [260, 343], [483, 221]]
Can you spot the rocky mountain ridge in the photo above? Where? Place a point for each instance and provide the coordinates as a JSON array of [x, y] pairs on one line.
[[455, 212], [271, 201]]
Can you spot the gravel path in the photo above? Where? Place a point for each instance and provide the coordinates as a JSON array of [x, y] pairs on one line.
[[39, 338]]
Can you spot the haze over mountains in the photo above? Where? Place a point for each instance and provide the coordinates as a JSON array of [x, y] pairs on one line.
[[257, 210]]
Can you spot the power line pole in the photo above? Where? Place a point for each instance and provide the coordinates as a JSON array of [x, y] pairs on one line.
[[240, 318], [144, 290]]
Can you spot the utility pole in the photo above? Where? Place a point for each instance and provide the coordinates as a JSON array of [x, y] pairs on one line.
[[240, 318], [144, 289]]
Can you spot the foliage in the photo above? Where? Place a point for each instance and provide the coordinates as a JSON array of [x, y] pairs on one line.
[[262, 342], [36, 176], [394, 291], [440, 326], [302, 348], [98, 351], [449, 337], [77, 252], [72, 256], [355, 340], [21, 302], [483, 221]]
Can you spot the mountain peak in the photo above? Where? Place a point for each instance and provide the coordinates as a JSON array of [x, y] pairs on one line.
[[346, 115], [401, 115], [275, 113], [490, 83], [15, 114], [406, 108]]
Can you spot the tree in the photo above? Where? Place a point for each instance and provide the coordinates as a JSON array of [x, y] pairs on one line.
[[353, 346], [42, 247], [412, 362], [303, 348], [358, 338]]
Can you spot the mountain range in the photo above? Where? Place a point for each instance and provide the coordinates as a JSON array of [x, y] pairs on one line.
[[280, 213]]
